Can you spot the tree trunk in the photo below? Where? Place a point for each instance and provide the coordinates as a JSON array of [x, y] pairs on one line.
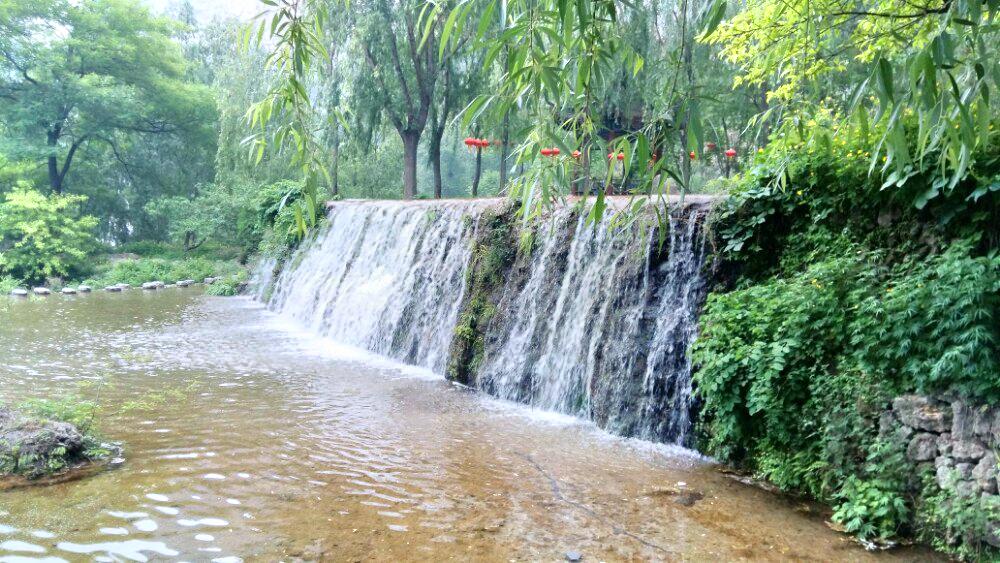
[[479, 169], [335, 165], [55, 179], [411, 140], [504, 151], [434, 155]]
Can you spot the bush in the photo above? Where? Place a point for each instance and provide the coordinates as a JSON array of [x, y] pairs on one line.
[[43, 236], [836, 297], [143, 270]]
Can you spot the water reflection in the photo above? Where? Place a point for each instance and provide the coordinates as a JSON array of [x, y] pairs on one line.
[[245, 440]]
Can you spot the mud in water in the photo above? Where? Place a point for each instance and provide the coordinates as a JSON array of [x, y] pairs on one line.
[[249, 440]]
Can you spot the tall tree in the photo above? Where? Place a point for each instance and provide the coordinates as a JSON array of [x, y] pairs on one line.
[[96, 71]]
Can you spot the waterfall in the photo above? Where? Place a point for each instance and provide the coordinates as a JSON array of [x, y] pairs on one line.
[[591, 320], [387, 277]]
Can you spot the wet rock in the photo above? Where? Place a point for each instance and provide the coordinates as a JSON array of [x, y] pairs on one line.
[[964, 471], [945, 475], [968, 450], [573, 556], [210, 280], [41, 291], [185, 283], [19, 292], [112, 288], [68, 291], [982, 422], [33, 448], [917, 411], [84, 289], [153, 285], [923, 447], [993, 534], [985, 474], [123, 286]]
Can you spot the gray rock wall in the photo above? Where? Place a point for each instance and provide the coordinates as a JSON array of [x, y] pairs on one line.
[[956, 440]]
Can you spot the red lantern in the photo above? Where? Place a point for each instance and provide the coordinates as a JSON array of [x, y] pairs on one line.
[[546, 152], [483, 143], [730, 153], [621, 156], [576, 154], [692, 155], [711, 146], [611, 156], [469, 141], [555, 152]]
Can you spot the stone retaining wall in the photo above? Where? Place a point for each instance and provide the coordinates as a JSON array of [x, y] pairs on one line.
[[955, 440]]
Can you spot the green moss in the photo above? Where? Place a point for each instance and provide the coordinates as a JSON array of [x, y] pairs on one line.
[[494, 252]]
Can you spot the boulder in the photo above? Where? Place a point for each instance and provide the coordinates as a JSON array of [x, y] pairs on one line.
[[123, 286], [41, 291], [84, 289], [68, 291], [961, 420], [968, 450], [185, 283], [19, 292], [210, 280], [923, 447], [34, 448], [944, 444], [112, 288], [153, 285], [921, 413], [985, 473]]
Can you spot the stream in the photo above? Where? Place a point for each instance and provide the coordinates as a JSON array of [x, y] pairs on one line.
[[250, 439]]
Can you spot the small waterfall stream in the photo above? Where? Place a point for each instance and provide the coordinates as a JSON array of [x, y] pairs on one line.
[[594, 322]]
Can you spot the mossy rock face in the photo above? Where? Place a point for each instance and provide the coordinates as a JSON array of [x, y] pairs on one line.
[[33, 448]]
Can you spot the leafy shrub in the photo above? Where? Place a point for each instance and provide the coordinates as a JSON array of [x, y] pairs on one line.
[[143, 270], [43, 236], [229, 285], [8, 284]]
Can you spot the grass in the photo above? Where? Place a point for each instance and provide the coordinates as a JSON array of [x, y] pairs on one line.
[[141, 270]]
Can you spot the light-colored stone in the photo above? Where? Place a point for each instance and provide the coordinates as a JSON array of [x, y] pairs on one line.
[[921, 413], [982, 421], [209, 280], [967, 450], [19, 292], [944, 444], [41, 291], [84, 289], [153, 285], [964, 470], [923, 447], [985, 473], [113, 288], [123, 286], [68, 291], [961, 420]]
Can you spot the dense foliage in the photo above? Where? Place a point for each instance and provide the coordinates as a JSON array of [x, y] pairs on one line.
[[839, 296], [43, 236]]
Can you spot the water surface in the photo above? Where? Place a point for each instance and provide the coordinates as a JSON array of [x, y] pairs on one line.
[[249, 440]]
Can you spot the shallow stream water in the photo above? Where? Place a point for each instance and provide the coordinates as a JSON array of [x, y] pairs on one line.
[[248, 439]]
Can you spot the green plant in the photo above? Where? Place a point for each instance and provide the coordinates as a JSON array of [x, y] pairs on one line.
[[958, 524], [43, 236], [229, 285], [8, 284]]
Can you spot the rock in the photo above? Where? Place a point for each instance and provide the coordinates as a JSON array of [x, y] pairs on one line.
[[84, 289], [982, 421], [919, 412], [993, 534], [41, 291], [19, 292], [210, 280], [985, 474], [170, 285], [964, 470], [112, 288], [887, 423], [185, 283], [945, 475], [68, 291], [961, 422], [944, 444], [34, 448], [573, 556], [123, 286], [153, 285], [966, 488], [923, 447], [968, 450]]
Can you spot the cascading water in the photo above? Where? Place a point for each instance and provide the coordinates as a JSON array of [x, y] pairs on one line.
[[387, 277], [594, 322]]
